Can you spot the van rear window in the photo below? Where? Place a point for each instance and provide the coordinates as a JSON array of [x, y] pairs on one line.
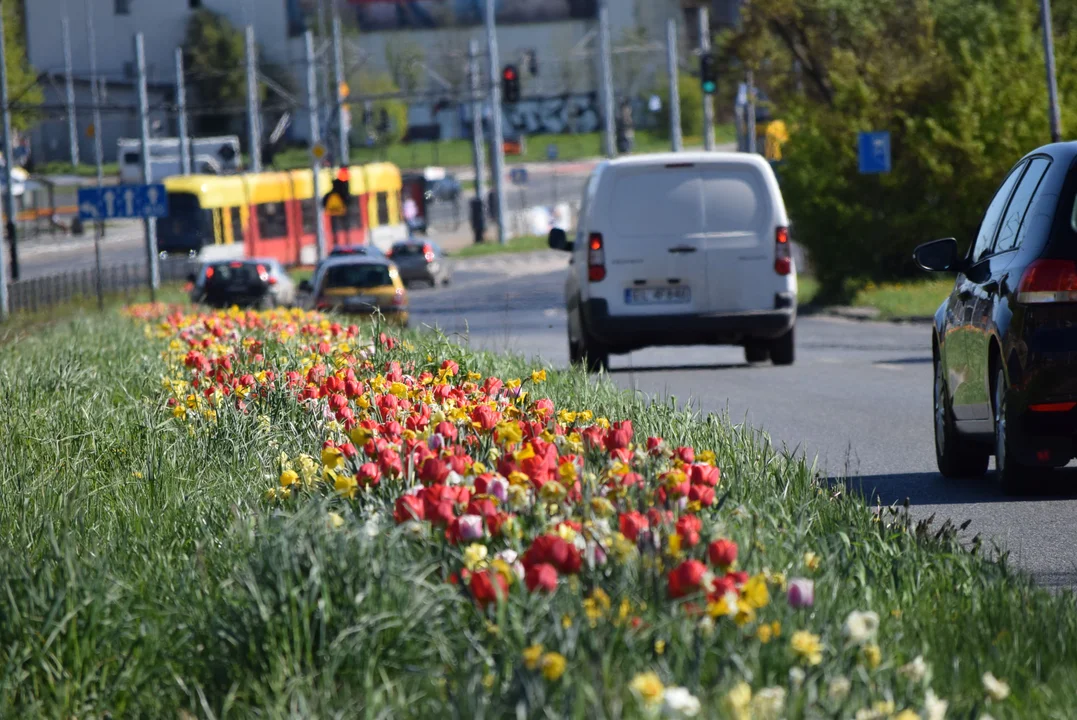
[[657, 202], [734, 201]]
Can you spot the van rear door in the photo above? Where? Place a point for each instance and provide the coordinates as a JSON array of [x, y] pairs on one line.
[[652, 244], [737, 241]]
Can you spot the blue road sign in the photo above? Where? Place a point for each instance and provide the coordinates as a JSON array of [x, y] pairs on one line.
[[123, 201], [552, 152], [518, 175], [874, 152]]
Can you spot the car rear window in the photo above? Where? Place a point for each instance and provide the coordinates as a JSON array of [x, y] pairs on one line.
[[233, 274], [407, 251], [358, 276]]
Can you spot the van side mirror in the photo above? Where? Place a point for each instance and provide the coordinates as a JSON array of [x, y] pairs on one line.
[[559, 240], [305, 287], [938, 256]]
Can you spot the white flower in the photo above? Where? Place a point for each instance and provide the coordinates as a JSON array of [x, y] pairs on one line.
[[454, 478], [996, 689], [915, 670], [934, 706], [677, 702], [796, 677], [768, 704], [861, 627], [838, 688]]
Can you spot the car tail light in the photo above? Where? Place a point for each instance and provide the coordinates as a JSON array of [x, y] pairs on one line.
[[428, 253], [209, 273], [596, 258], [783, 254], [1053, 407], [264, 276], [321, 305], [235, 264], [1049, 281]]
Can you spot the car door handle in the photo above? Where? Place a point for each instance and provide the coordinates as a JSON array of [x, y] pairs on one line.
[[683, 249]]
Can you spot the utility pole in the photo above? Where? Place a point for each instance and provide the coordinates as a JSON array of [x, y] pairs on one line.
[[1052, 82], [605, 64], [9, 163], [181, 107], [750, 92], [147, 167], [498, 154], [323, 33], [708, 100], [98, 147], [315, 141], [343, 150], [254, 125], [676, 138], [474, 73], [69, 81]]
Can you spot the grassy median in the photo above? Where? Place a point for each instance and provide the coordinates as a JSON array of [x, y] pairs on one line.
[[202, 551]]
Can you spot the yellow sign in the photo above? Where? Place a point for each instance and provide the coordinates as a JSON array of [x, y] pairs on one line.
[[334, 206], [319, 151], [90, 130], [345, 91]]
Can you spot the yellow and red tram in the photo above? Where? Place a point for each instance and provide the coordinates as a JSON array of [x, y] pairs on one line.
[[272, 214]]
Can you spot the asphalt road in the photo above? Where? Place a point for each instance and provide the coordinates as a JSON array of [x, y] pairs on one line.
[[858, 400]]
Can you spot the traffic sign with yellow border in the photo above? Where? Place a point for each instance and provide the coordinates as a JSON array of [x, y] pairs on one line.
[[334, 206]]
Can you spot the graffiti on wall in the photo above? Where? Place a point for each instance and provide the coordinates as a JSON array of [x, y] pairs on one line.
[[555, 115]]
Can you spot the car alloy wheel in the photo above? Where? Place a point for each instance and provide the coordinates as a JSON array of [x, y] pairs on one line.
[[956, 456]]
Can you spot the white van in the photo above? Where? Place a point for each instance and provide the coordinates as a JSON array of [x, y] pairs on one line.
[[681, 249]]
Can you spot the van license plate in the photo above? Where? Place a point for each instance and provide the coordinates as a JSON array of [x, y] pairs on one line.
[[658, 296]]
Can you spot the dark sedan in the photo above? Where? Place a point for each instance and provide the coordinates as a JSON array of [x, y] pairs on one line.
[[421, 262], [1005, 340]]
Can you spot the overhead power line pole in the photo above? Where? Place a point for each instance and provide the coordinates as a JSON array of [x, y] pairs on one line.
[[475, 77], [147, 167], [315, 142], [498, 152], [343, 149], [254, 125], [69, 82], [9, 164], [98, 146], [676, 139], [181, 107], [605, 65], [708, 100], [1052, 82]]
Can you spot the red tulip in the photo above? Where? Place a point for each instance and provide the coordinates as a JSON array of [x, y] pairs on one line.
[[488, 587], [631, 524], [433, 471], [408, 507], [542, 576], [722, 553], [688, 527], [686, 578]]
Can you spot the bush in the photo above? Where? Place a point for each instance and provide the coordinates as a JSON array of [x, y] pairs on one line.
[[962, 95], [691, 95]]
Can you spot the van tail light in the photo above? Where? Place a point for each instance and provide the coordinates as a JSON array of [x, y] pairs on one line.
[[428, 253], [1049, 281], [596, 258], [1053, 407], [783, 253]]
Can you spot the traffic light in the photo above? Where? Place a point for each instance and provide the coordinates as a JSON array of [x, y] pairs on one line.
[[341, 186], [336, 201], [708, 73], [510, 84]]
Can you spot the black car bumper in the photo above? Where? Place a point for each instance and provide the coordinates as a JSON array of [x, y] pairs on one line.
[[624, 333]]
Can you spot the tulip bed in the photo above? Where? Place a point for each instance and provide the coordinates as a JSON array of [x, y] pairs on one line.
[[278, 514]]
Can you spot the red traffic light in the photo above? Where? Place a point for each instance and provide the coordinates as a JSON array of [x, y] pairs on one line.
[[510, 74], [343, 174]]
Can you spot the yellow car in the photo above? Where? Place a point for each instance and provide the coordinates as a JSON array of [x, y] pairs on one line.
[[358, 284]]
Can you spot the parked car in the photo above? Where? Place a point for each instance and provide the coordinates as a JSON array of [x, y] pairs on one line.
[[681, 249], [364, 250], [1004, 345], [359, 284], [259, 282], [446, 190], [421, 261]]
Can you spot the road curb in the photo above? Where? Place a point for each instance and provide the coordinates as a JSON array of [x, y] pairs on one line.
[[864, 314]]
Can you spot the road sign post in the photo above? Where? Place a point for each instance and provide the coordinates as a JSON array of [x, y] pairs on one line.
[[874, 152], [123, 202]]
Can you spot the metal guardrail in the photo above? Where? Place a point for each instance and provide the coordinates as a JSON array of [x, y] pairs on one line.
[[41, 293]]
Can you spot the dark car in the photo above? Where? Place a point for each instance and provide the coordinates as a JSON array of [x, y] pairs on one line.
[[421, 262], [445, 190], [1005, 341], [259, 283], [361, 250]]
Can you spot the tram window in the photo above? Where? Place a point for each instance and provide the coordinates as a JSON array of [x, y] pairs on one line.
[[383, 208], [272, 220], [355, 212], [310, 214], [237, 225]]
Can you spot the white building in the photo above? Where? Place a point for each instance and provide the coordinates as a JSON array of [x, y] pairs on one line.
[[278, 26]]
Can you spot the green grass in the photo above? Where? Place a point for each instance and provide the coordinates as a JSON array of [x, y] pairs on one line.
[[83, 170], [807, 289], [143, 575], [914, 298], [524, 243]]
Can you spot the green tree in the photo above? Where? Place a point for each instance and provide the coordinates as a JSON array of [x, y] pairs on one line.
[[691, 96], [23, 88], [405, 65], [958, 83], [397, 110], [215, 65]]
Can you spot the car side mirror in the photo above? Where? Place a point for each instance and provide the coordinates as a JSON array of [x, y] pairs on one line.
[[938, 256], [559, 240], [305, 287]]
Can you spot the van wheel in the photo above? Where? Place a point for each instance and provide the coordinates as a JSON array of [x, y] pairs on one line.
[[597, 357], [783, 349], [756, 352], [575, 356]]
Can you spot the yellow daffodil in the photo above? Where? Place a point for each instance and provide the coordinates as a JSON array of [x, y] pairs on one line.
[[566, 417], [332, 458], [475, 556], [553, 666], [811, 561], [754, 593], [871, 655], [346, 485], [738, 700], [648, 688], [807, 647], [288, 478], [553, 492], [335, 520], [538, 376], [532, 656]]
